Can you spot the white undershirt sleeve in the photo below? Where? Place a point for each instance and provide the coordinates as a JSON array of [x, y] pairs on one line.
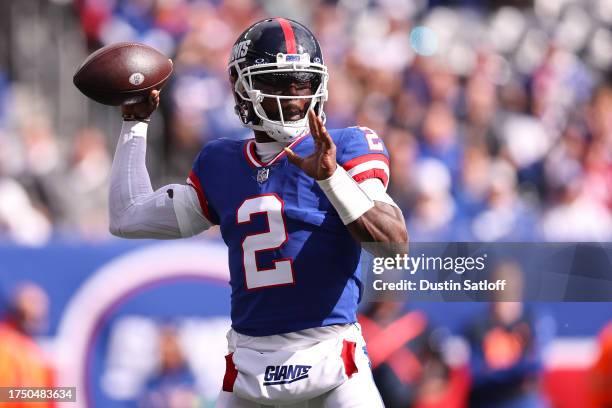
[[376, 190], [189, 214], [351, 199], [136, 211]]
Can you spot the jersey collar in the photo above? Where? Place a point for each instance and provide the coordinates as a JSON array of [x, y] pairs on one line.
[[253, 159]]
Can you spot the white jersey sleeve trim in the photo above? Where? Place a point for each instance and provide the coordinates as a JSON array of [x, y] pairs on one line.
[[375, 189], [189, 214], [369, 165]]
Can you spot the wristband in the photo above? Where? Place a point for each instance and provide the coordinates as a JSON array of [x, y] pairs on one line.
[[349, 200], [131, 129]]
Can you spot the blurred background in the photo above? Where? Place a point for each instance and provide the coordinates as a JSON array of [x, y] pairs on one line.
[[498, 118]]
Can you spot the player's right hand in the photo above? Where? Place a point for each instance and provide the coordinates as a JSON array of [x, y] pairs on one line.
[[141, 110], [321, 164]]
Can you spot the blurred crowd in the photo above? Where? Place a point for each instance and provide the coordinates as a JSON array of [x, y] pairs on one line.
[[498, 116]]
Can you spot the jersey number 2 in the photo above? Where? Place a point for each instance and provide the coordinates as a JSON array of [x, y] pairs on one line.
[[282, 273], [374, 142]]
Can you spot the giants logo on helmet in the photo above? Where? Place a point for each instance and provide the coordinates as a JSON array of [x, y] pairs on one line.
[[239, 50]]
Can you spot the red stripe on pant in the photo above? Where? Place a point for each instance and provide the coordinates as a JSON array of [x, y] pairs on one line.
[[230, 374], [348, 357]]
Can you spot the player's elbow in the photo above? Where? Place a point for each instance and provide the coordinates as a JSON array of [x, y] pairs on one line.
[[399, 235], [385, 226], [396, 240], [390, 241], [397, 232], [114, 228], [119, 228], [402, 231]]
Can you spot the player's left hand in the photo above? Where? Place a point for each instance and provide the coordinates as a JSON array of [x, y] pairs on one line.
[[321, 164]]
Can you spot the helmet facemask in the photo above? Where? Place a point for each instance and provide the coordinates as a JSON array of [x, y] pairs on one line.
[[288, 67]]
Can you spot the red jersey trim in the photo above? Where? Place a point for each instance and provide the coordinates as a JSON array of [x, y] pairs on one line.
[[251, 155], [194, 182], [365, 158], [372, 173]]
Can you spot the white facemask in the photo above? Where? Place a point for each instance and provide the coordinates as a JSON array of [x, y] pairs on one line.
[[280, 130]]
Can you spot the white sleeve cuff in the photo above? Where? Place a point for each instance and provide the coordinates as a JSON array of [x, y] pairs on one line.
[[375, 189], [350, 201], [133, 128]]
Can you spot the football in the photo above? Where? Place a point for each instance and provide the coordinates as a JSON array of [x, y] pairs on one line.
[[122, 73]]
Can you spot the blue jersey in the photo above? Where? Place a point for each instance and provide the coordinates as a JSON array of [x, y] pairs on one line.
[[293, 264]]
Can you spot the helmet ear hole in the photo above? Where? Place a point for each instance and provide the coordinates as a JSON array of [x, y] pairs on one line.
[[243, 108], [246, 113], [233, 76]]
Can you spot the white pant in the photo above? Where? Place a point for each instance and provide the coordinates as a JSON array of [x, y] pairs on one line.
[[359, 391]]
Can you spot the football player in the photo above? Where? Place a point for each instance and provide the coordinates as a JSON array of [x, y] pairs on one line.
[[293, 205]]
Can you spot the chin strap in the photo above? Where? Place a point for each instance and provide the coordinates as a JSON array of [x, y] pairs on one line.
[[280, 134]]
